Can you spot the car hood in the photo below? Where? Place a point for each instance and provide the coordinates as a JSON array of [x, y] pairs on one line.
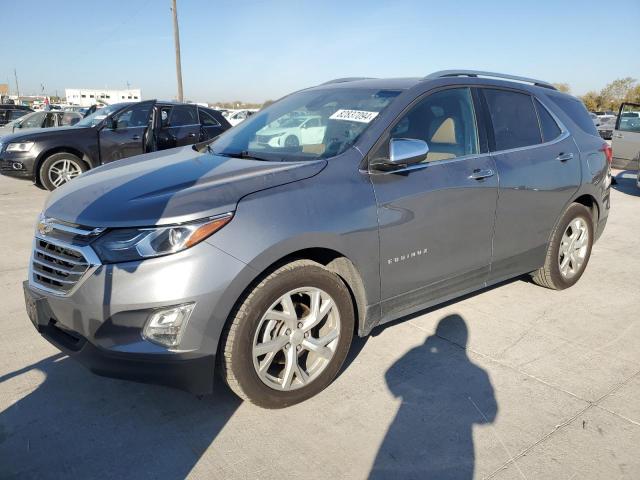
[[36, 133], [168, 187], [4, 131]]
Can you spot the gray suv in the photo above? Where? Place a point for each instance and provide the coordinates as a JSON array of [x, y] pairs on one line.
[[260, 255]]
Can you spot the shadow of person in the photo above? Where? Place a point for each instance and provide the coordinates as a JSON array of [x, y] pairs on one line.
[[443, 394], [79, 425]]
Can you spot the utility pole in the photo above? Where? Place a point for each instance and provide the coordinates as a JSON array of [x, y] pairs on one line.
[[15, 74], [176, 38]]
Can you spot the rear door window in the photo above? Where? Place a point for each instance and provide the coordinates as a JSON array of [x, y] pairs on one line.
[[550, 129], [514, 119], [207, 120], [183, 115], [576, 110]]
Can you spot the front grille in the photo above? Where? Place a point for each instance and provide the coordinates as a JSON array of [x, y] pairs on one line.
[[55, 267]]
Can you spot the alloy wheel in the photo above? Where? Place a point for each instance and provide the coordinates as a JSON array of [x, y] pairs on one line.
[[573, 248], [296, 338], [63, 171]]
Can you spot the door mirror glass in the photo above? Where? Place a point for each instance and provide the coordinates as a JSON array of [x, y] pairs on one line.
[[406, 151]]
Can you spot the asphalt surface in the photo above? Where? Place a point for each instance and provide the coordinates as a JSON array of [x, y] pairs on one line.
[[513, 382]]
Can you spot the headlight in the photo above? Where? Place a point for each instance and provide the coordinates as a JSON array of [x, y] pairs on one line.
[[19, 147], [127, 244]]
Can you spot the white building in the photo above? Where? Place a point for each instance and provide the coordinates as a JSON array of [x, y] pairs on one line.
[[86, 97]]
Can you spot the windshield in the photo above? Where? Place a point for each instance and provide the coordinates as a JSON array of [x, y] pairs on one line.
[[99, 115], [306, 125], [18, 121]]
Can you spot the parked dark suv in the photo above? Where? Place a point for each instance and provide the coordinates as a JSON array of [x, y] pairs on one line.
[[260, 257], [10, 112], [54, 156]]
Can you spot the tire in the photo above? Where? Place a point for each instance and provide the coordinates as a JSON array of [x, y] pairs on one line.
[[59, 168], [291, 141], [249, 330], [552, 274]]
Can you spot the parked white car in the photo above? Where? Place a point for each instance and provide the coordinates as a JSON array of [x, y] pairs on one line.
[[292, 132], [238, 116]]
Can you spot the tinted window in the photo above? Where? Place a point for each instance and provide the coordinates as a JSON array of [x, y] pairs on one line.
[[550, 129], [576, 110], [514, 119], [207, 120], [14, 114], [135, 116], [34, 121], [183, 115], [630, 118], [446, 121]]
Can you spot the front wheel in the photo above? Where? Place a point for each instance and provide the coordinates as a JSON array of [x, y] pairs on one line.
[[569, 250], [289, 337], [59, 169]]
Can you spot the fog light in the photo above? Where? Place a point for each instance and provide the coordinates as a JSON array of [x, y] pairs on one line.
[[166, 326], [17, 166]]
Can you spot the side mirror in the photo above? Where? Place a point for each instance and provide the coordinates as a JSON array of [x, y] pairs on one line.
[[406, 151]]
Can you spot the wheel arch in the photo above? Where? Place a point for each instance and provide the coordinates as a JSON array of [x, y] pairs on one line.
[[51, 151], [591, 203], [330, 259]]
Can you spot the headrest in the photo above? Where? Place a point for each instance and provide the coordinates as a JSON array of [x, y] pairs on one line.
[[445, 133]]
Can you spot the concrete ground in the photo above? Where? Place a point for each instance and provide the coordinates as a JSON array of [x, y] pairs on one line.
[[513, 382]]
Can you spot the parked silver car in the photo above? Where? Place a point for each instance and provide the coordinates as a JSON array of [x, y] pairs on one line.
[[626, 138]]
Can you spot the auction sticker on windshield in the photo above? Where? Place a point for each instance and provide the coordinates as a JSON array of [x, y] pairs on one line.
[[354, 115]]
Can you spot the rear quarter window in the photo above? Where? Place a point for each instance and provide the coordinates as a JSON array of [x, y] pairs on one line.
[[576, 110]]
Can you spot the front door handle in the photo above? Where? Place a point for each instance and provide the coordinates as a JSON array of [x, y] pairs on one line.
[[136, 137], [479, 174], [192, 135], [563, 157]]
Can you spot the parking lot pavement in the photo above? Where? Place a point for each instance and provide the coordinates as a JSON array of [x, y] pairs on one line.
[[513, 382]]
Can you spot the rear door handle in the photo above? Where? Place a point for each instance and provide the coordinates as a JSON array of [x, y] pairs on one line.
[[192, 135], [136, 137], [479, 174], [563, 157]]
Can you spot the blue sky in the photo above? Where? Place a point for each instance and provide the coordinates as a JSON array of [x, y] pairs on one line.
[[258, 50]]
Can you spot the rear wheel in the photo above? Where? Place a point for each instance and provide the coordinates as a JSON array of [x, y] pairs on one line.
[[290, 336], [569, 250], [59, 169]]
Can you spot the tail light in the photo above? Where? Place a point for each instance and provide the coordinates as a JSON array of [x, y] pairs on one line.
[[608, 152]]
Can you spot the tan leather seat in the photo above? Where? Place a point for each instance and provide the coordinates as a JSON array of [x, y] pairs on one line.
[[444, 134]]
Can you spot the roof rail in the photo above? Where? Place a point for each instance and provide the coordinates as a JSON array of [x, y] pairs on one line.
[[346, 79], [479, 73]]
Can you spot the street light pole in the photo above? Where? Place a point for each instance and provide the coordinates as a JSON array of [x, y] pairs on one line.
[[17, 87], [176, 37]]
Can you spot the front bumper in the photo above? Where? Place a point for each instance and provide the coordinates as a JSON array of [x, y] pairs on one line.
[[17, 164], [100, 322]]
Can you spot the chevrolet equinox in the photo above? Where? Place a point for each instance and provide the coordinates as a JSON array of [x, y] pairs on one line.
[[336, 209]]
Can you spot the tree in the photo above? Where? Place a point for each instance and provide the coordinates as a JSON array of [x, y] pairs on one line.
[[591, 100], [615, 92], [562, 87], [633, 95]]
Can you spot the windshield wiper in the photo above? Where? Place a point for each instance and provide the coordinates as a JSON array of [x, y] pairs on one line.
[[242, 154]]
